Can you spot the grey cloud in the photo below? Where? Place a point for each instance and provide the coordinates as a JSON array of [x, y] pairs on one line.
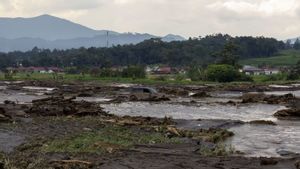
[[275, 18]]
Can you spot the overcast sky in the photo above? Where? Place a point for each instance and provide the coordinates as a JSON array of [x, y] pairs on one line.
[[189, 18]]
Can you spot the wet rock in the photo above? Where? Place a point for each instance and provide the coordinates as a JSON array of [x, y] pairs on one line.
[[3, 116], [200, 95], [262, 122], [85, 95], [9, 102], [285, 153], [288, 114], [268, 161], [61, 106]]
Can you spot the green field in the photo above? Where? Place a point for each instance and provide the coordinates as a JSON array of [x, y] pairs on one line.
[[284, 58]]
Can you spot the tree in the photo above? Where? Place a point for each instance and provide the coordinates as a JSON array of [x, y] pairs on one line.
[[228, 55], [294, 73], [297, 44]]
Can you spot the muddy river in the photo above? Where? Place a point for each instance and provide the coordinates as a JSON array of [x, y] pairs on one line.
[[253, 140]]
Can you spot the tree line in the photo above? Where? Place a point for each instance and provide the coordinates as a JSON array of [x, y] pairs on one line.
[[194, 51]]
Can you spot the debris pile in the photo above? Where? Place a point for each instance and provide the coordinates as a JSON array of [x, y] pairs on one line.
[[288, 114], [4, 117], [61, 106], [200, 95], [270, 99]]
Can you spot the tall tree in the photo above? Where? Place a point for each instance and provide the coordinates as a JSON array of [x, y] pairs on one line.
[[297, 44]]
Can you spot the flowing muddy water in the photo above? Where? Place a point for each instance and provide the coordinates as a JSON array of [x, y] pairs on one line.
[[244, 112], [265, 140], [279, 93], [24, 96], [254, 140]]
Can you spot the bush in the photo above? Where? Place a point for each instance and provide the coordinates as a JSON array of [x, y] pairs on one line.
[[134, 72], [72, 70], [161, 78], [222, 73], [195, 74]]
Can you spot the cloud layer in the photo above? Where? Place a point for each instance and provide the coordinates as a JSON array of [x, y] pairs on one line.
[[190, 18]]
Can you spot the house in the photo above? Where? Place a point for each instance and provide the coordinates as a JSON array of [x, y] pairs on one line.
[[251, 70], [37, 69], [272, 71], [163, 70]]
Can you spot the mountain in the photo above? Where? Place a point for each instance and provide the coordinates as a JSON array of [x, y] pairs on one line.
[[171, 37], [45, 27], [51, 32]]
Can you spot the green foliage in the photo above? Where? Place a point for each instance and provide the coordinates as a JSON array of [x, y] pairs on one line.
[[161, 78], [135, 72], [294, 74], [180, 77], [297, 44], [284, 58], [195, 73], [218, 150], [271, 78], [154, 51], [106, 72], [222, 73], [228, 55], [72, 70]]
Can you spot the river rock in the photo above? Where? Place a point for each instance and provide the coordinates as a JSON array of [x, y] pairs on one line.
[[288, 114], [3, 116], [262, 122]]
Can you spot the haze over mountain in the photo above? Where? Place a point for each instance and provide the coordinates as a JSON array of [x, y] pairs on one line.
[[51, 32]]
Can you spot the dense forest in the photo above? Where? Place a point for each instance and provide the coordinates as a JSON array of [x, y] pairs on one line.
[[200, 51]]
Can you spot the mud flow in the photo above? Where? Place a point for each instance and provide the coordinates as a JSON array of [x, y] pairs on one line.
[[69, 125]]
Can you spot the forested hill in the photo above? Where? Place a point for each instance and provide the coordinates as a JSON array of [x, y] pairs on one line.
[[201, 51]]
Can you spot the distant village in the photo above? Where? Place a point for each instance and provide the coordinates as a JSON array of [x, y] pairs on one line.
[[155, 70]]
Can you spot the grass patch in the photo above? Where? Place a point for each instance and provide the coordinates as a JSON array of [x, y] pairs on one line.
[[283, 58], [108, 139]]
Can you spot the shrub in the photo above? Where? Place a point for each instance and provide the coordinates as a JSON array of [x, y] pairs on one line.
[[134, 72], [222, 73], [195, 74]]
